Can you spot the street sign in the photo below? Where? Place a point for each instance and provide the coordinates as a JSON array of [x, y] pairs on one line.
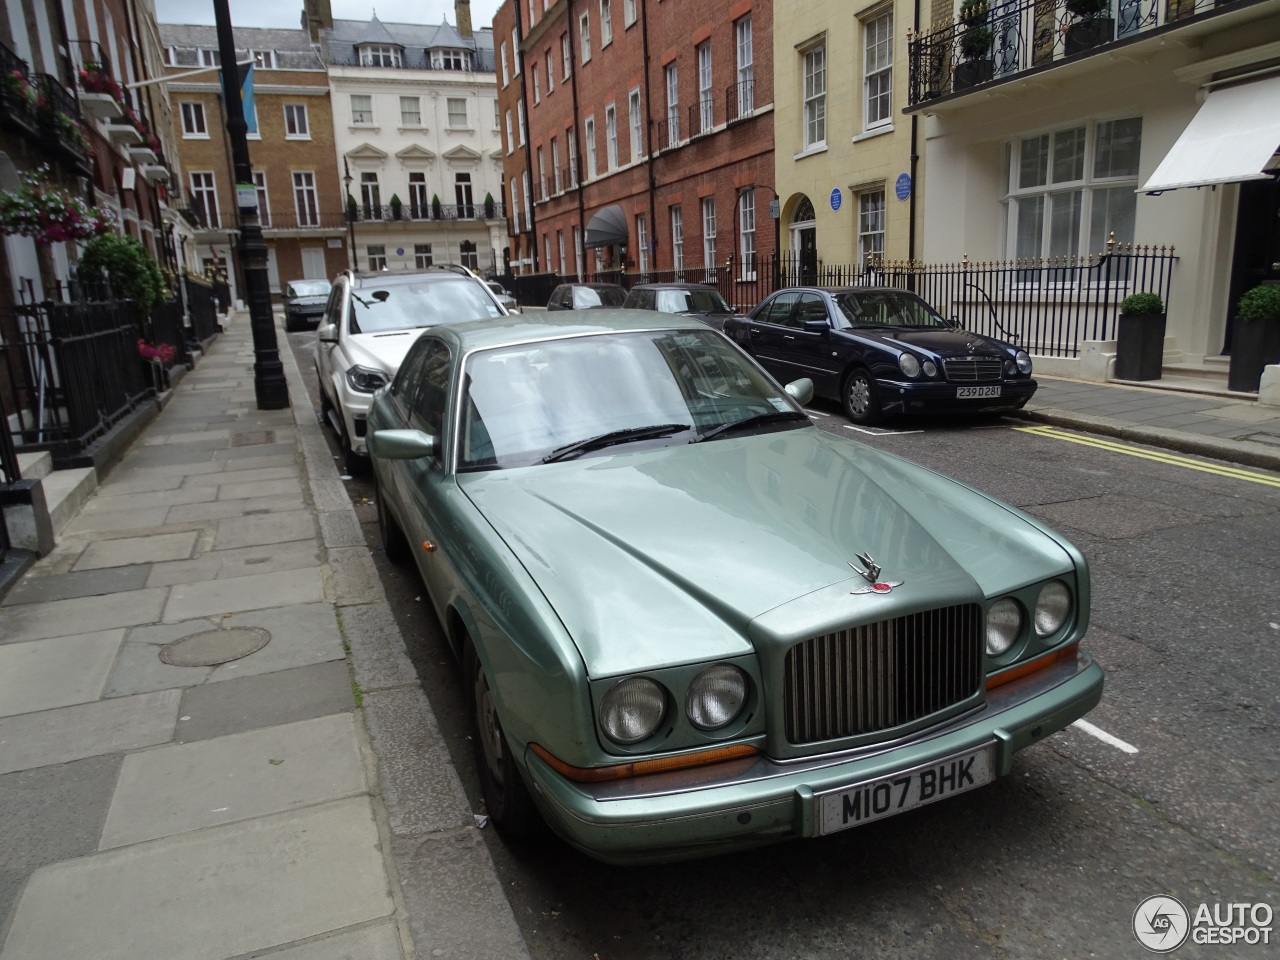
[[775, 209]]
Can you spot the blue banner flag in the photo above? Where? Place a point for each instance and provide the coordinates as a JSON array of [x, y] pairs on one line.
[[246, 98]]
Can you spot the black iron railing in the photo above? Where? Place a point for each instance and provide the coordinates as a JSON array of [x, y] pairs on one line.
[[365, 213], [702, 118], [1048, 306], [669, 132], [1001, 38], [739, 101], [203, 301]]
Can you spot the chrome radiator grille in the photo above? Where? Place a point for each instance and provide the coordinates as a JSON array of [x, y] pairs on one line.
[[973, 369], [882, 675]]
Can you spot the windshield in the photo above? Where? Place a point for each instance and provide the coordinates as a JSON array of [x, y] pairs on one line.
[[309, 288], [691, 301], [403, 306], [586, 297], [497, 288], [888, 308], [521, 403]]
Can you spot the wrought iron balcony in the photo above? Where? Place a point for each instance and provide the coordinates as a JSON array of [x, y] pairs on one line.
[[739, 101], [410, 212], [994, 41], [669, 132], [702, 118]]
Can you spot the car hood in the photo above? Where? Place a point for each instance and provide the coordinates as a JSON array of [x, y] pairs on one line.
[[383, 351], [947, 343], [666, 556]]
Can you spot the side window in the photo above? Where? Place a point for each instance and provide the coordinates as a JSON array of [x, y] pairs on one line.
[[646, 300], [812, 307], [779, 310], [433, 392], [406, 379]]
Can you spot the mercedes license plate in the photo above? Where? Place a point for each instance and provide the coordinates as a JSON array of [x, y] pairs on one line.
[[968, 393], [900, 792]]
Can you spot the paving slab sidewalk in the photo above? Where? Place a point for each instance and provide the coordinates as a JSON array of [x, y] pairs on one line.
[[236, 805]]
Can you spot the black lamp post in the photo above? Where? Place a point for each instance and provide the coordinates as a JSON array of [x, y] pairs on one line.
[[269, 384], [351, 213]]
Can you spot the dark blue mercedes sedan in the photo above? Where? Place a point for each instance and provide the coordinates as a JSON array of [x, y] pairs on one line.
[[881, 351]]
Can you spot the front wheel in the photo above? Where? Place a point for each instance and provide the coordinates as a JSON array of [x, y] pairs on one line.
[[859, 399], [506, 797]]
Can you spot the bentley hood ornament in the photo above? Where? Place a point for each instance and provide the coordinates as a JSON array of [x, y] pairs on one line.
[[870, 572]]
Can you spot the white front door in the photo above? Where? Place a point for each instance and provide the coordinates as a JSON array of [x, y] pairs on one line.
[[273, 269], [313, 264]]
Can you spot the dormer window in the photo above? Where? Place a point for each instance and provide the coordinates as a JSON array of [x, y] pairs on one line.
[[379, 55], [450, 60], [264, 59]]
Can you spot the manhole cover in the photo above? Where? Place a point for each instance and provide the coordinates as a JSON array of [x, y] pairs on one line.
[[213, 647], [253, 438]]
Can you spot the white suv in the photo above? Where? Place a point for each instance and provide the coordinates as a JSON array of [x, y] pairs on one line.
[[369, 324]]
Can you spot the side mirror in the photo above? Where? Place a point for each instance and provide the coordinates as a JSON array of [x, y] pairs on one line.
[[958, 324], [328, 333], [817, 326], [801, 391], [403, 444]]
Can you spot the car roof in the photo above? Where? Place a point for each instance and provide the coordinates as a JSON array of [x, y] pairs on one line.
[[674, 286], [386, 277], [845, 289], [517, 328], [596, 286]]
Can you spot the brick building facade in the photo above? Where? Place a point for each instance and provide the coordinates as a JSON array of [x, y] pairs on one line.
[[684, 150], [299, 191]]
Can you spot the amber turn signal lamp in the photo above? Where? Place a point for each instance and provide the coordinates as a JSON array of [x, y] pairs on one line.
[[1031, 666], [428, 546], [622, 771]]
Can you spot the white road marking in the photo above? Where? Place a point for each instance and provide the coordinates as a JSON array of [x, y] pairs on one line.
[[1105, 737], [880, 431]]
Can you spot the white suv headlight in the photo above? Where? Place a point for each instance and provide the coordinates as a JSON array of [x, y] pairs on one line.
[[365, 379]]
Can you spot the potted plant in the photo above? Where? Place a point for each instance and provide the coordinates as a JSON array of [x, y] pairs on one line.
[[395, 206], [1092, 25], [490, 207], [1255, 336], [132, 272], [1140, 340], [437, 211], [975, 38]]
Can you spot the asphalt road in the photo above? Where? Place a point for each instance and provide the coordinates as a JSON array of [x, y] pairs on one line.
[[1049, 862]]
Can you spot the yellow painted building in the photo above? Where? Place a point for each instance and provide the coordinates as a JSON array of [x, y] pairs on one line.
[[843, 146]]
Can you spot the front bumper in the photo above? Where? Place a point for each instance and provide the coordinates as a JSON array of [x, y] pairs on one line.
[[354, 410], [904, 396], [744, 803]]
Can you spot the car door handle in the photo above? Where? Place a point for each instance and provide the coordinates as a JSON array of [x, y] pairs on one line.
[[788, 337]]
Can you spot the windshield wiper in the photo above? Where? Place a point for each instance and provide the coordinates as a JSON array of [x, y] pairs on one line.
[[616, 436], [752, 421]]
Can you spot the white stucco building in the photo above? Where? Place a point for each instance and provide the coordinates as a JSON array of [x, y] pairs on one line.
[[415, 127]]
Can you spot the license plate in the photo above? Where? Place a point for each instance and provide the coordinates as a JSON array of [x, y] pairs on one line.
[[899, 792], [966, 393]]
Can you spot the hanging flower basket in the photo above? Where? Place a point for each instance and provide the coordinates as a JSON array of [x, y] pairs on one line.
[[95, 79], [49, 214]]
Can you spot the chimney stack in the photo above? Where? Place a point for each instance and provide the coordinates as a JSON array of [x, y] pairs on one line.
[[462, 11]]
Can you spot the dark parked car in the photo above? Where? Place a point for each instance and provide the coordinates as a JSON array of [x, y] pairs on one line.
[[304, 302], [685, 299], [586, 296], [882, 351]]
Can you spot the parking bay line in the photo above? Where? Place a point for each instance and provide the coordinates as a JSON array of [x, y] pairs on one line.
[[1232, 473], [1089, 728]]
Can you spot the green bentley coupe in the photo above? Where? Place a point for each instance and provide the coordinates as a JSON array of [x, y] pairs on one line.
[[689, 620]]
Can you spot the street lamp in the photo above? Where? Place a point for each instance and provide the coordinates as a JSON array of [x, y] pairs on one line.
[[269, 384], [351, 213]]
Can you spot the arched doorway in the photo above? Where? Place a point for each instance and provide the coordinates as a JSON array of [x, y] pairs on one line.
[[803, 245]]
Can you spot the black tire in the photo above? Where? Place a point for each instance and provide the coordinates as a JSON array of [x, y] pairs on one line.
[[394, 543], [858, 397], [506, 797]]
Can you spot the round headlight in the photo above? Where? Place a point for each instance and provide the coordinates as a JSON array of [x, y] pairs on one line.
[[930, 370], [631, 710], [908, 364], [716, 696], [1004, 623], [1052, 608], [1024, 362]]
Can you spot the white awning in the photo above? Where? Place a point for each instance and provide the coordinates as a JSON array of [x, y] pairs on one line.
[[1231, 138]]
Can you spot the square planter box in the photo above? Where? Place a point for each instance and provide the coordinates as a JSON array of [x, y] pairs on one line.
[[1140, 346], [100, 106], [1254, 345]]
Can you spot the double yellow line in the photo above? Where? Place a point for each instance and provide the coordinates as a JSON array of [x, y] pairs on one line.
[[1234, 473]]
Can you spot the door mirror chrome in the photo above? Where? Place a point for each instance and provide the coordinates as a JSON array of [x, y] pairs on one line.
[[956, 321], [327, 332], [801, 391], [817, 326], [403, 444]]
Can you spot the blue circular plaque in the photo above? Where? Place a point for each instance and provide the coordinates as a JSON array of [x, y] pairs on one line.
[[399, 251], [902, 186], [835, 199]]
